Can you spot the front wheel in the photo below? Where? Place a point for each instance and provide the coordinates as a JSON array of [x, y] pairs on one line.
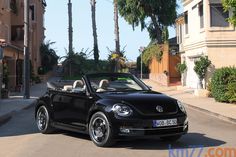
[[43, 120], [100, 130]]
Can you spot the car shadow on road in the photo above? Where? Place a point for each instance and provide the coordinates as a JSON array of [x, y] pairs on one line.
[[190, 140], [75, 135]]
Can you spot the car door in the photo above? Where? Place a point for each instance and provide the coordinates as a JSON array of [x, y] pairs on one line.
[[71, 107]]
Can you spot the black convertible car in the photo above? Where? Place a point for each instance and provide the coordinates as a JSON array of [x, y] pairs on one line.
[[109, 107]]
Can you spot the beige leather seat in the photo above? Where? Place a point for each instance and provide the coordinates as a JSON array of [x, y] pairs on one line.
[[67, 88], [78, 84], [103, 85]]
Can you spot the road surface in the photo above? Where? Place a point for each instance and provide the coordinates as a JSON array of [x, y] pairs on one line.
[[20, 138]]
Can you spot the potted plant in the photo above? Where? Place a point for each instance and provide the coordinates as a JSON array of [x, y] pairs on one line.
[[181, 68], [200, 68]]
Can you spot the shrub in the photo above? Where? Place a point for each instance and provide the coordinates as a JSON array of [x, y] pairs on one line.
[[223, 84], [200, 68], [37, 79], [181, 67], [41, 70], [152, 51], [231, 92]]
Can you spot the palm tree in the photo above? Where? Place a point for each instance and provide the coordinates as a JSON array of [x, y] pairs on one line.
[[70, 32], [116, 21], [94, 27], [117, 37], [70, 27]]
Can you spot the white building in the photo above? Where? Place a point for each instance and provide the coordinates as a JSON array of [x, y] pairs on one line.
[[203, 30]]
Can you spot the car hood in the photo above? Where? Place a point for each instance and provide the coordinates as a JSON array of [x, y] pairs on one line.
[[144, 101]]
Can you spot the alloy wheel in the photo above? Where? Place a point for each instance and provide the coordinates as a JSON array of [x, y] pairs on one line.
[[99, 129], [42, 118]]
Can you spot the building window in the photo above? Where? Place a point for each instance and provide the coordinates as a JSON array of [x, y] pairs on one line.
[[13, 6], [201, 15], [218, 16], [17, 32], [186, 22], [32, 12]]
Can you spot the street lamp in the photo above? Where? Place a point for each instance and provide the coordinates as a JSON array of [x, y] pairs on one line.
[[141, 49], [26, 51]]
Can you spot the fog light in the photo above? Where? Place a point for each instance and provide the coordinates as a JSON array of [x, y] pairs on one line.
[[185, 124], [186, 121], [125, 130]]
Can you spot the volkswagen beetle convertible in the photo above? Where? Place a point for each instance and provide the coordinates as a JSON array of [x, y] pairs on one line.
[[110, 107]]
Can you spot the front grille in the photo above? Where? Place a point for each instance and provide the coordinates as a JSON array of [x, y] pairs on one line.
[[150, 109]]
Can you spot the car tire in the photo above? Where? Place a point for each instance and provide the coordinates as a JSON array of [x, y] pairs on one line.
[[43, 120], [100, 130], [171, 138]]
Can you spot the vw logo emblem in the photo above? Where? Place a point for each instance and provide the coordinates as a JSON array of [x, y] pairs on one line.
[[159, 108]]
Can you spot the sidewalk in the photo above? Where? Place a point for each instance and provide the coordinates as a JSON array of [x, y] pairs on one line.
[[16, 103], [223, 111]]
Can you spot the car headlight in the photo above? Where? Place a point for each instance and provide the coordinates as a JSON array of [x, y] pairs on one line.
[[122, 110], [181, 106]]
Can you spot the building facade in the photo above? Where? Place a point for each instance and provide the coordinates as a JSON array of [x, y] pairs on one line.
[[203, 30], [12, 33]]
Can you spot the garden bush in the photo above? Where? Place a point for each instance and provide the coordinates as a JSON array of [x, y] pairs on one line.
[[223, 84], [181, 67]]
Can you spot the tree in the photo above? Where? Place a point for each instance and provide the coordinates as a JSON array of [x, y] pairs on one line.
[[74, 63], [70, 30], [200, 68], [94, 27], [49, 57], [138, 12], [116, 22], [70, 33], [117, 60], [230, 5]]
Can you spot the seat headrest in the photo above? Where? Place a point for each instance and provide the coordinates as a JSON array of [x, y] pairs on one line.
[[104, 84], [78, 83]]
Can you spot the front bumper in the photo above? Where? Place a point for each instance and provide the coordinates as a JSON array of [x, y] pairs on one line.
[[144, 128]]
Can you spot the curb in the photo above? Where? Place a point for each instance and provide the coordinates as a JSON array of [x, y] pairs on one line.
[[6, 117], [224, 118]]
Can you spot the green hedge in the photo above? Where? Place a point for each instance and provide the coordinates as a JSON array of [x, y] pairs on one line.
[[223, 84]]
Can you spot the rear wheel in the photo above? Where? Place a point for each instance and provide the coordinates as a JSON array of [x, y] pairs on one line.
[[171, 138], [100, 130], [43, 120]]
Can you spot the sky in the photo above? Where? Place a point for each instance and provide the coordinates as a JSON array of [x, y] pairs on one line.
[[56, 23]]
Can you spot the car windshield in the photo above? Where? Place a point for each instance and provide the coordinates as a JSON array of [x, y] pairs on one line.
[[115, 82]]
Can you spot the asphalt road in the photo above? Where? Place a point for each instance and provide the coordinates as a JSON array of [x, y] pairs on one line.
[[20, 138]]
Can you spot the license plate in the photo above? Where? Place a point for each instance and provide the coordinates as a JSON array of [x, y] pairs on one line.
[[164, 122]]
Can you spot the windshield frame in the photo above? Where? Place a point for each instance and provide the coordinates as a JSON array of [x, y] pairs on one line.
[[134, 78]]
